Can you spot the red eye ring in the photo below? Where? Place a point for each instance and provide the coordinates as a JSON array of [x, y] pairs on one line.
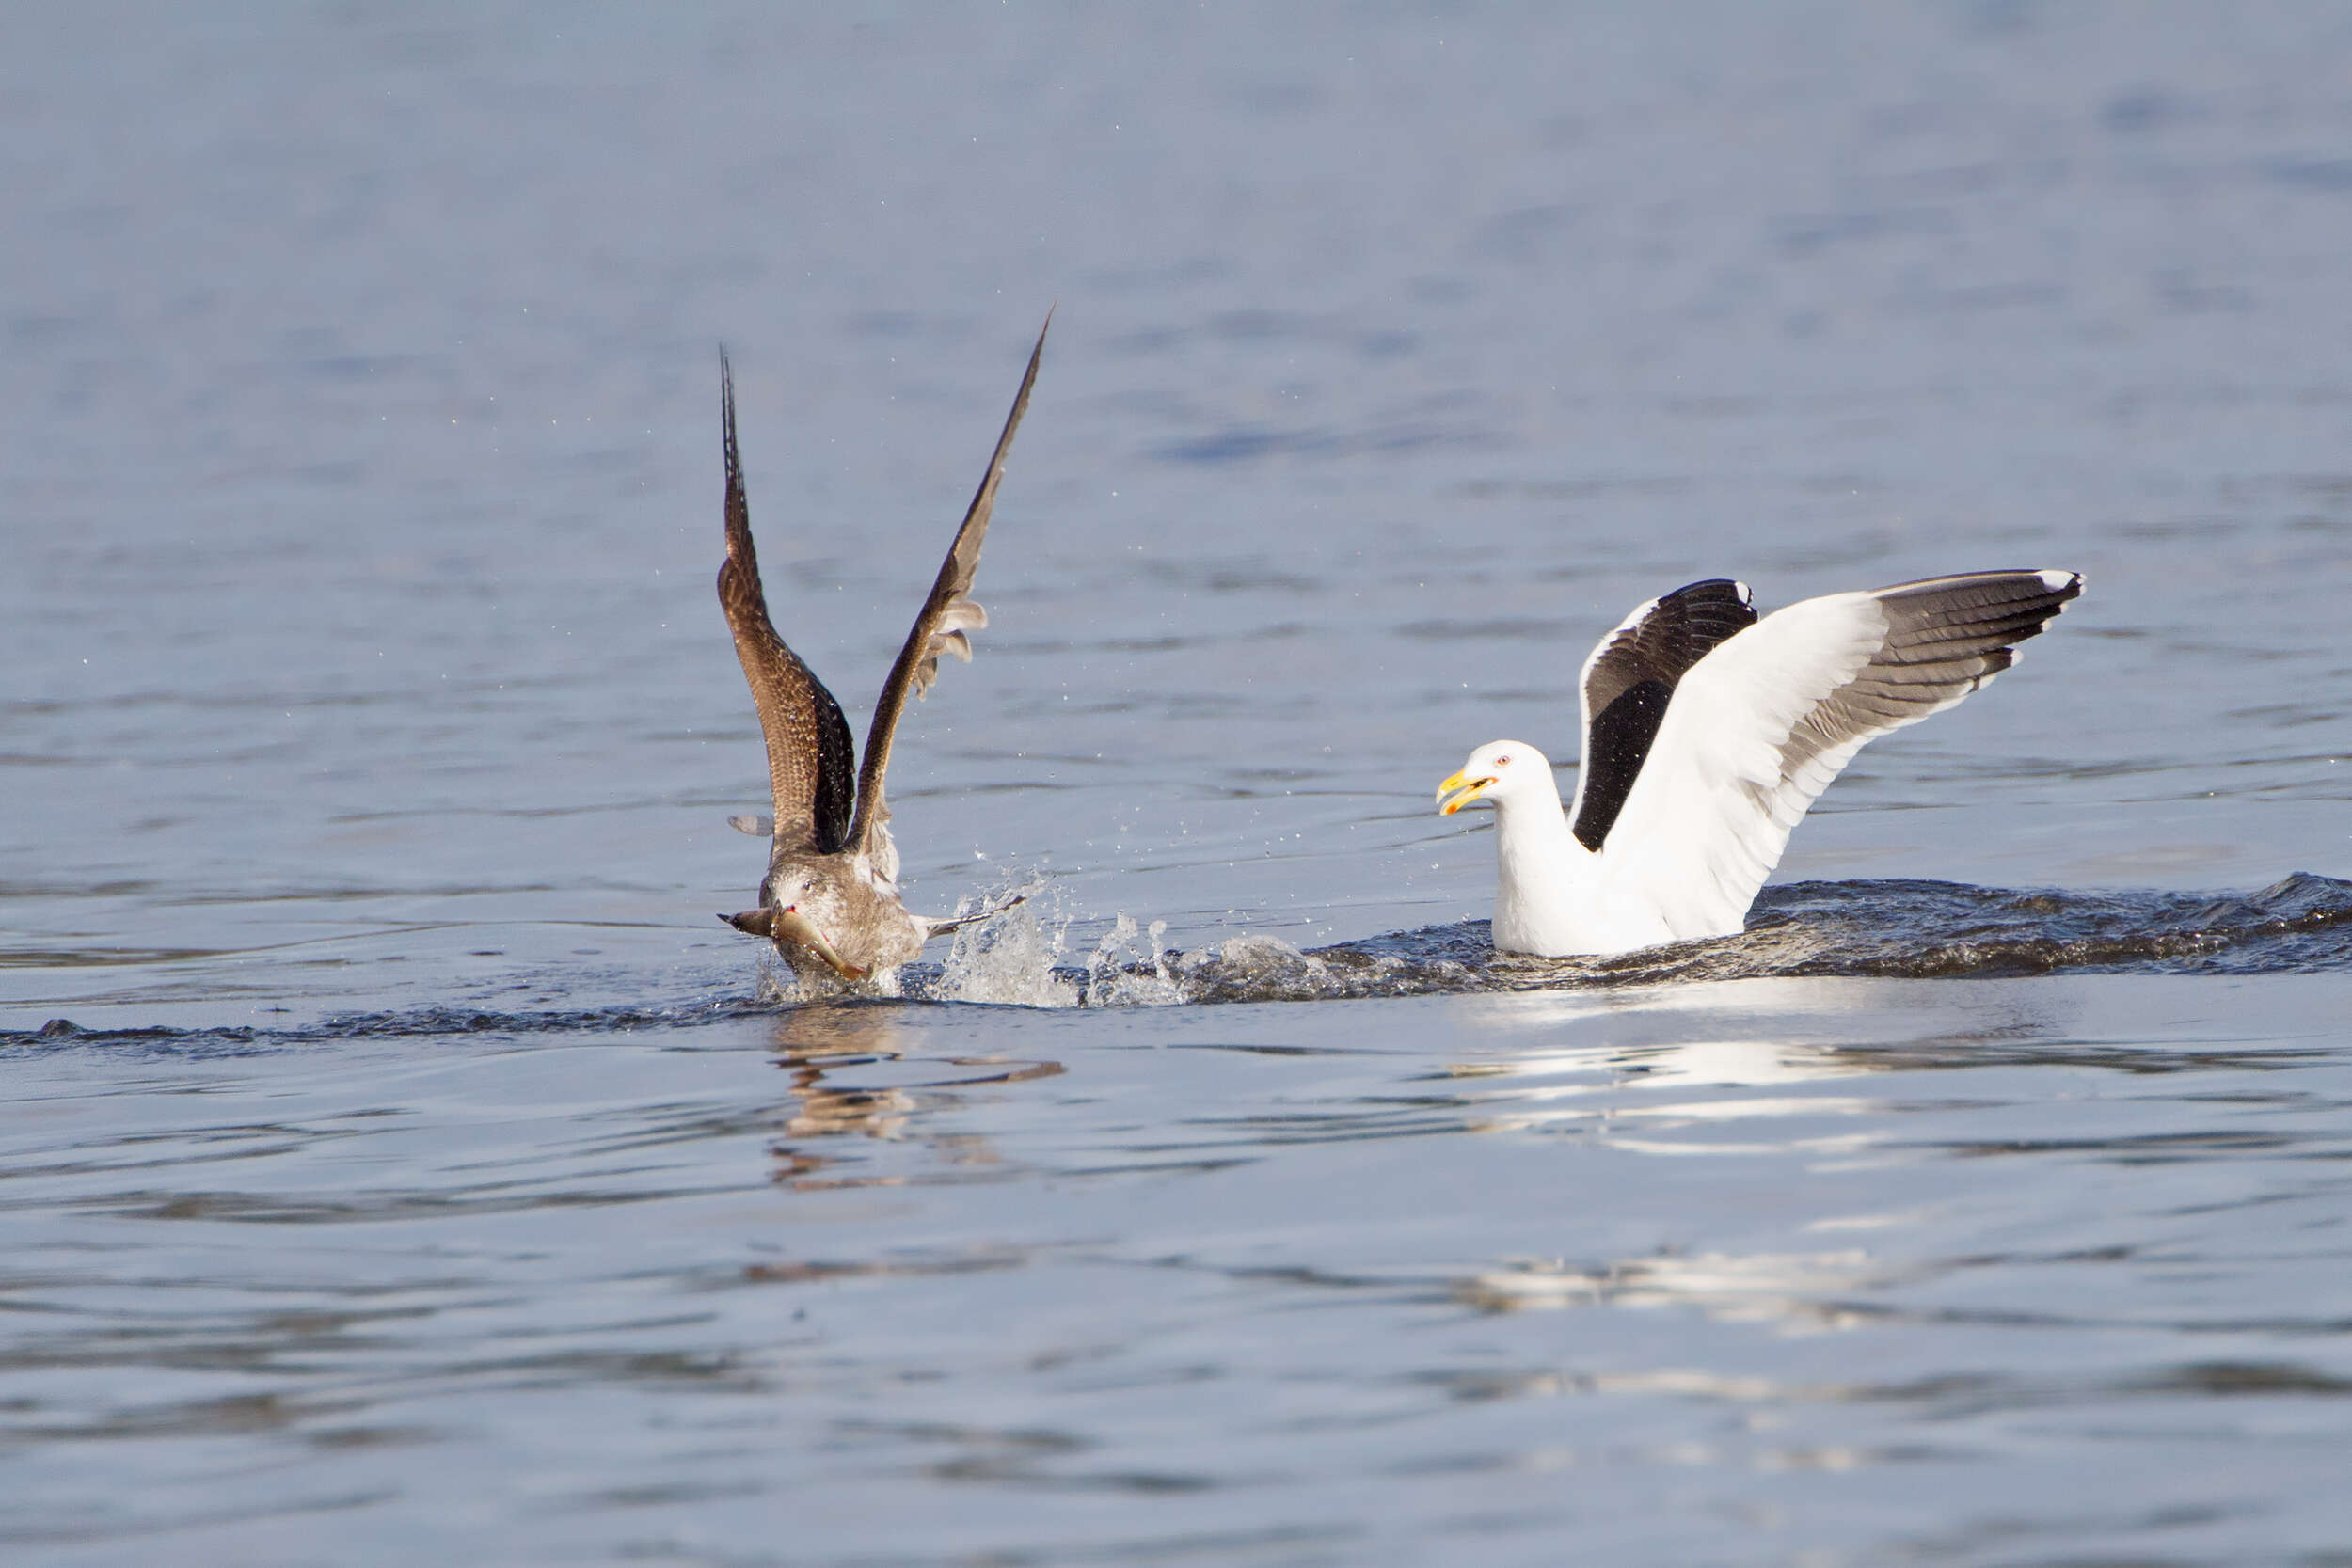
[[1501, 760]]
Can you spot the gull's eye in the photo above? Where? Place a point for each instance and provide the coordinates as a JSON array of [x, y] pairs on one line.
[[1503, 762]]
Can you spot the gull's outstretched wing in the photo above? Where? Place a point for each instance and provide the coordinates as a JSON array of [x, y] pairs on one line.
[[810, 764], [1626, 685], [1757, 729], [947, 615]]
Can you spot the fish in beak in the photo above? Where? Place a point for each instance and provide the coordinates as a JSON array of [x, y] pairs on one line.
[[1459, 790], [789, 924]]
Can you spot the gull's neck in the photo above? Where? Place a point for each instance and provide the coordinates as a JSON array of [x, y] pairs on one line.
[[1530, 825], [1544, 869]]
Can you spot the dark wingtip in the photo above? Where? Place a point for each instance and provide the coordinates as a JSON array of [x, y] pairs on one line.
[[726, 413], [1037, 351]]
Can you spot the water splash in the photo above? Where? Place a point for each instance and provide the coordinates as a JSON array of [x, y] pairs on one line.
[[776, 983], [1253, 967], [1010, 958], [1124, 972]]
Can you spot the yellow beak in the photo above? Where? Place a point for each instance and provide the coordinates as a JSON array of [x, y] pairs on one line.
[[1459, 790]]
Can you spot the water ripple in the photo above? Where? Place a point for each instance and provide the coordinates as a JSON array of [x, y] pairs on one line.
[[1889, 929]]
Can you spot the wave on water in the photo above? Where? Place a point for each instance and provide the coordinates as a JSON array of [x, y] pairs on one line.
[[1899, 930]]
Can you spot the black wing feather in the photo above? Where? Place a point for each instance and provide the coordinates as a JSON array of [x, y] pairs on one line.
[[1630, 681]]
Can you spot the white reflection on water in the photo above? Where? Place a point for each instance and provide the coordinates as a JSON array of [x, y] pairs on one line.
[[1664, 1040], [1802, 1011], [1793, 1290]]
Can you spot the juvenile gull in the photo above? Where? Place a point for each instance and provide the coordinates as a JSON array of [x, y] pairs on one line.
[[1709, 733], [830, 900]]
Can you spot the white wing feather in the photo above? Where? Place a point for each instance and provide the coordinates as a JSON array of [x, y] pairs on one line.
[[1711, 813], [1759, 728]]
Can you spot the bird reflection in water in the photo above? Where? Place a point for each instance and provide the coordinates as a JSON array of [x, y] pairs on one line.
[[1809, 1292], [1790, 1033], [819, 1043]]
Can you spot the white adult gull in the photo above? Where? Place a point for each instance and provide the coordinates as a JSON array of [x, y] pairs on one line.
[[1709, 733], [830, 900]]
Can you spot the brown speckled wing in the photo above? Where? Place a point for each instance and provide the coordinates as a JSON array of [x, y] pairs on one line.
[[947, 615], [811, 766]]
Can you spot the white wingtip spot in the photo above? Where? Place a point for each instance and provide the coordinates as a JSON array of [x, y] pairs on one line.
[[2057, 582], [1747, 594]]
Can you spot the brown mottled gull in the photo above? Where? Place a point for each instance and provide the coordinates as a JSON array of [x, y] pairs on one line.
[[830, 901]]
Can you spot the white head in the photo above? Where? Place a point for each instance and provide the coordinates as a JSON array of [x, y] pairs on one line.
[[1502, 771]]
